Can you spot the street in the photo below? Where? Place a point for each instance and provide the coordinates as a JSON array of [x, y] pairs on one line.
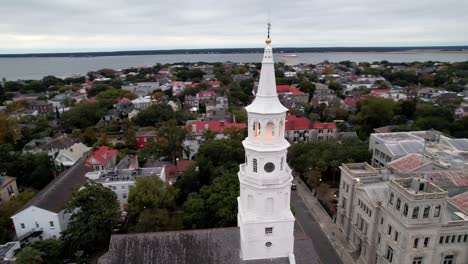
[[312, 229]]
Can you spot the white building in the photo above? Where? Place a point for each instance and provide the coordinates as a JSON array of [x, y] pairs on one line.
[[142, 88], [44, 216], [264, 217], [449, 152], [120, 181], [142, 103], [68, 157], [388, 219]]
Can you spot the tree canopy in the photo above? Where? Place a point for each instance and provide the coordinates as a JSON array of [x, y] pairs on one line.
[[95, 212]]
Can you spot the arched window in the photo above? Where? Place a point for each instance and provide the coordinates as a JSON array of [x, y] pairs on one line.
[[254, 162], [270, 132], [281, 163], [257, 129]]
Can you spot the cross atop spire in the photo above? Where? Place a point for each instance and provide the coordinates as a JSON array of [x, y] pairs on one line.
[[268, 40]]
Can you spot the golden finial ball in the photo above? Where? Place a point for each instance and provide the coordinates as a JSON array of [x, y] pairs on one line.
[[268, 40]]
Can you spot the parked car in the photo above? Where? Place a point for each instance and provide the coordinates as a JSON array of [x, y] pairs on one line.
[[293, 186]]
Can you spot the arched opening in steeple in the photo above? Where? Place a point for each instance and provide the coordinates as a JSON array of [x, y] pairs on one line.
[[256, 129], [270, 132], [281, 128]]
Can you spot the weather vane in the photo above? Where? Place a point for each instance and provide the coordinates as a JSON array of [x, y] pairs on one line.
[[269, 24]]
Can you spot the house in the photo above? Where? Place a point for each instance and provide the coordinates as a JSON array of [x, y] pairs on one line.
[[49, 145], [124, 106], [291, 97], [68, 157], [198, 128], [42, 106], [102, 158], [141, 103], [142, 88], [123, 176], [301, 129], [145, 136], [8, 188], [44, 216]]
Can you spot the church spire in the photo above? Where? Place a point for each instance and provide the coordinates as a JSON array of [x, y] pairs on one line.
[[266, 98]]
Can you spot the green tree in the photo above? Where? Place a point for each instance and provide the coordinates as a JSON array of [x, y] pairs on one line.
[[215, 205], [373, 112], [151, 203], [82, 116], [51, 249], [95, 212], [9, 129], [170, 140], [154, 115], [29, 255], [110, 97]]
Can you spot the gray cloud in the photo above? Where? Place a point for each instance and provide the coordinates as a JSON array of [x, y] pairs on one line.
[[77, 25]]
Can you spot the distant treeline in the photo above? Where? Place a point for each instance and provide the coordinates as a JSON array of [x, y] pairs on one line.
[[236, 50]]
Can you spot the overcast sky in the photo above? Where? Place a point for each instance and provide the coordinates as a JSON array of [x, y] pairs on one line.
[[96, 25]]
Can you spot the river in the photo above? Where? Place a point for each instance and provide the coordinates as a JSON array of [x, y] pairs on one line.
[[36, 68]]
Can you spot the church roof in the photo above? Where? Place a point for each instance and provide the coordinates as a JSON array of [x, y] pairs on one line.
[[207, 246]]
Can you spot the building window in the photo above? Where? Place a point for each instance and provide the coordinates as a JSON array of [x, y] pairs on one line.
[[441, 240], [281, 164], [405, 209], [124, 195], [447, 239], [268, 230], [381, 220], [465, 238], [281, 128], [254, 165], [389, 230], [459, 238], [51, 223], [415, 243], [437, 211], [389, 255], [391, 198], [426, 242], [418, 260], [123, 187], [415, 212], [396, 236], [398, 203], [453, 238], [426, 212], [449, 259], [23, 226], [114, 188]]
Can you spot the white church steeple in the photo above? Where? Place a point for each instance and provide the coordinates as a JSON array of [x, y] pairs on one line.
[[265, 219]]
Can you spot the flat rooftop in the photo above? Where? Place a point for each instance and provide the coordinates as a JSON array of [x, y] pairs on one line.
[[401, 136], [360, 169], [418, 188]]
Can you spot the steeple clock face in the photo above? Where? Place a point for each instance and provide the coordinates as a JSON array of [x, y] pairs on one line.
[[269, 167]]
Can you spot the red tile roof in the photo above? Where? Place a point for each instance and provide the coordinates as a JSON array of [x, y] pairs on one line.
[[350, 101], [297, 123], [380, 91], [287, 89], [214, 83], [461, 201], [320, 125], [183, 165], [215, 126], [103, 154], [124, 100], [301, 123], [409, 163], [206, 93]]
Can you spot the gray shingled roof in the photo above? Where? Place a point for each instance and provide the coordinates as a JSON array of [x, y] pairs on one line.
[[61, 142], [204, 246], [55, 196]]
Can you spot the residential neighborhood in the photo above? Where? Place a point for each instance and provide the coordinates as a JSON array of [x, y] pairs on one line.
[[369, 141]]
